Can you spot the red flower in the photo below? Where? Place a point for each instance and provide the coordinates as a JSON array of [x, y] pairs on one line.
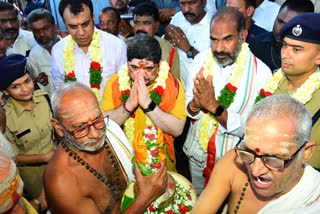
[[183, 209], [158, 90], [152, 208], [95, 65], [231, 87], [189, 197], [151, 136], [154, 152], [170, 212], [155, 166], [171, 185], [95, 86], [265, 93], [71, 75], [133, 115], [127, 91]]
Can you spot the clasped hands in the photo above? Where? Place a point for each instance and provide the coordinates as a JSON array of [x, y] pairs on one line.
[[177, 37], [139, 95], [204, 94]]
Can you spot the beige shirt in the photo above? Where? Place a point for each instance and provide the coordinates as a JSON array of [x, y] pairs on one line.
[[313, 106], [29, 131]]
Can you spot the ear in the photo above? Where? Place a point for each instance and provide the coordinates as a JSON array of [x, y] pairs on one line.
[[157, 25], [55, 123], [244, 35], [250, 11], [318, 56], [308, 151], [55, 27]]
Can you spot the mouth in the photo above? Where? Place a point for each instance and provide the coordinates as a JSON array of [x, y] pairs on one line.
[[261, 182], [82, 39]]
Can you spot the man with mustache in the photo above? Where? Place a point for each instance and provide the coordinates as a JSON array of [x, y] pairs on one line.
[[267, 172], [144, 93], [28, 126], [91, 167], [221, 90], [42, 25], [121, 6], [109, 21], [3, 44], [146, 20], [19, 41], [299, 75], [188, 31]]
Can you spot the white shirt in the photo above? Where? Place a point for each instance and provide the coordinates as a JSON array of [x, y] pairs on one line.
[[198, 36], [113, 51], [252, 80], [23, 44], [40, 61], [265, 14]]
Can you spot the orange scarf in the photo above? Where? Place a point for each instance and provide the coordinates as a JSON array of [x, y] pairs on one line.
[[168, 100]]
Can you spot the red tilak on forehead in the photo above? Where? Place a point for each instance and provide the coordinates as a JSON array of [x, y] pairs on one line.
[[141, 64], [257, 150]]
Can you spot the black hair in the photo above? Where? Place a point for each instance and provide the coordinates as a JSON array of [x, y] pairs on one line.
[[76, 6], [148, 8], [38, 14], [142, 46], [233, 14], [299, 6], [250, 3], [7, 6], [106, 9]]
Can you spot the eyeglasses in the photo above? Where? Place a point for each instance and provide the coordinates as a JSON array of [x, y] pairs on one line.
[[270, 161], [84, 130]]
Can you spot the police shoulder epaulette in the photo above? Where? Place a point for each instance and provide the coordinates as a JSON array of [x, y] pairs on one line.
[[40, 92]]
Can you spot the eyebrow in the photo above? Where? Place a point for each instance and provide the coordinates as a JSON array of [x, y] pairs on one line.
[[223, 38], [84, 23], [291, 45], [86, 123]]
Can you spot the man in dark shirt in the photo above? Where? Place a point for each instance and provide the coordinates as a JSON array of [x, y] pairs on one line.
[[267, 46]]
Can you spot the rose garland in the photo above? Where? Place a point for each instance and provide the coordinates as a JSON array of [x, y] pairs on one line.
[[156, 94], [95, 69], [303, 94], [226, 96]]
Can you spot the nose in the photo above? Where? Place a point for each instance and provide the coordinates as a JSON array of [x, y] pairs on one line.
[[258, 168], [80, 30], [93, 132], [218, 46], [284, 52]]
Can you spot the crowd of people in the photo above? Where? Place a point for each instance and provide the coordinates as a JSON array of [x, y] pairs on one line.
[[233, 87]]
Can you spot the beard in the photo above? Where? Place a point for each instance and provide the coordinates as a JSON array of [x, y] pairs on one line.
[[229, 58], [86, 145], [46, 42]]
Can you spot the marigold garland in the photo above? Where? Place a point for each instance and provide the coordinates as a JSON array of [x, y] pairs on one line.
[[95, 69], [303, 94], [155, 94], [226, 96]]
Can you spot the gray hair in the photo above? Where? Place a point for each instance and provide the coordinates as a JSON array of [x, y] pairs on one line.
[[283, 106], [61, 91]]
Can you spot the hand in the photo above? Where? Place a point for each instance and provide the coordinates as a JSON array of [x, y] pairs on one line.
[[177, 37], [166, 14], [204, 92], [132, 102], [125, 28], [42, 78], [143, 93], [152, 186], [49, 155]]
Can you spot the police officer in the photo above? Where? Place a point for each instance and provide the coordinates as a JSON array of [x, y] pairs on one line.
[[28, 126]]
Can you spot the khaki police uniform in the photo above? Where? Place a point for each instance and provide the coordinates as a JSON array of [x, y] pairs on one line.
[[30, 132]]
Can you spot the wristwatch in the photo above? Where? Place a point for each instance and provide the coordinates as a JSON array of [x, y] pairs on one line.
[[152, 105], [219, 111], [190, 52]]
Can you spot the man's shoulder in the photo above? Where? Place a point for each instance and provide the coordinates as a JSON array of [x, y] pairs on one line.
[[178, 18], [58, 47], [36, 51]]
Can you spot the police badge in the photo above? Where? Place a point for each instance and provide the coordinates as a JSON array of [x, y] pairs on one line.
[[297, 30]]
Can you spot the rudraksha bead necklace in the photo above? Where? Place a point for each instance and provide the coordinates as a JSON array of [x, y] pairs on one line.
[[241, 197]]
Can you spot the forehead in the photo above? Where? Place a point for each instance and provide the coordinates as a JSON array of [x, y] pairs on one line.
[[81, 17], [305, 45], [189, 1], [40, 23], [143, 17], [139, 62], [286, 14], [8, 14], [108, 15], [223, 27], [236, 3], [21, 79]]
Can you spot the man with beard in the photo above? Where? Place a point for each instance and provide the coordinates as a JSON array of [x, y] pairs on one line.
[[19, 41], [144, 93], [146, 20], [188, 31], [42, 25], [267, 172], [28, 126], [85, 49], [92, 165], [267, 46], [3, 44], [109, 21], [220, 92]]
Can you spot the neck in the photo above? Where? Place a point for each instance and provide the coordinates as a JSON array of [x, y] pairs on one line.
[[249, 23], [295, 81], [199, 18], [27, 104]]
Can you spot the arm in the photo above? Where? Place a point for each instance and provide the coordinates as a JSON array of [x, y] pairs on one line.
[[34, 159], [63, 194], [218, 188], [150, 188], [57, 66]]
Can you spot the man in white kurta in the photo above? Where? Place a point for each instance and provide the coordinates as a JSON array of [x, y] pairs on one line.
[[253, 75]]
